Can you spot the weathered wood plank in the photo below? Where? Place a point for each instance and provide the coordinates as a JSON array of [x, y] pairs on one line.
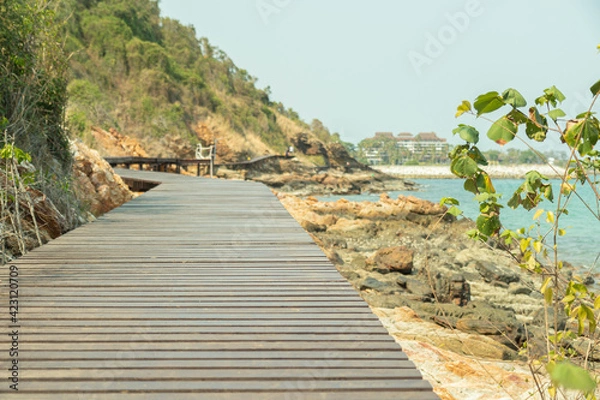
[[249, 386], [229, 395]]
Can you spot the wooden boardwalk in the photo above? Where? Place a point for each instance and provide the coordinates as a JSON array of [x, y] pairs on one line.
[[199, 288]]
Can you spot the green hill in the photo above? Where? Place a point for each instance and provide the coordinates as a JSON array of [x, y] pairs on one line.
[[151, 78]]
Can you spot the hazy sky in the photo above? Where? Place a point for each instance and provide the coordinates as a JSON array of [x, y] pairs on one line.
[[362, 66]]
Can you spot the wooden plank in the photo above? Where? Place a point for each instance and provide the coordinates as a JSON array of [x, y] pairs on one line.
[[112, 356], [316, 365], [160, 345], [34, 332], [174, 337], [231, 395], [249, 386]]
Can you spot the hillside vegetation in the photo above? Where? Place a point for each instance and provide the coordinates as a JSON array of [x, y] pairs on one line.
[[152, 78]]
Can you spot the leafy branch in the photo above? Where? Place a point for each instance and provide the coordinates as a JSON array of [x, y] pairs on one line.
[[567, 296]]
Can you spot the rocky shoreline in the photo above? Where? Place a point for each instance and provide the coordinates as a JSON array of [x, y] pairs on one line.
[[415, 266], [293, 177]]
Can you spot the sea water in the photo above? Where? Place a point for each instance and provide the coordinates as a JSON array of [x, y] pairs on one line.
[[580, 245]]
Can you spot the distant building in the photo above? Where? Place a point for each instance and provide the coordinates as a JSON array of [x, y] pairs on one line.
[[387, 135], [424, 147]]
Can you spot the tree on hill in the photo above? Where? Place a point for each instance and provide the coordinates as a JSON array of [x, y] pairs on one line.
[[33, 83], [153, 78]]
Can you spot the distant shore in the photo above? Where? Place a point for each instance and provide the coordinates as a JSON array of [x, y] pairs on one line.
[[443, 171]]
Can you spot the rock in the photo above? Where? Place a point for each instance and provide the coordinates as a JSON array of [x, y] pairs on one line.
[[420, 290], [372, 283], [482, 327], [508, 331], [402, 282], [420, 206], [351, 227], [516, 289], [96, 184], [539, 318], [587, 348], [226, 173], [394, 259], [460, 290], [492, 273], [500, 284], [115, 144], [311, 226], [404, 324], [333, 256]]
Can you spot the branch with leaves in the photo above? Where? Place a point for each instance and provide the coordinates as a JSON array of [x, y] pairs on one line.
[[565, 295]]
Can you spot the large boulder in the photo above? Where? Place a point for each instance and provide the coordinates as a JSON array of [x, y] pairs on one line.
[[394, 259], [96, 184]]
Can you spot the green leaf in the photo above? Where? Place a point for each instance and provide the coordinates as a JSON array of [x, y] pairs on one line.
[[518, 117], [583, 134], [570, 376], [562, 232], [464, 166], [556, 114], [548, 294], [470, 186], [546, 283], [484, 183], [548, 192], [554, 96], [514, 98], [467, 133], [449, 201], [487, 103], [585, 114], [537, 125], [454, 211], [488, 225], [595, 89], [515, 200], [464, 107], [477, 156], [503, 131]]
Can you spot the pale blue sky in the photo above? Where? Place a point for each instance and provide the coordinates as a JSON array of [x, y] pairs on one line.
[[362, 66]]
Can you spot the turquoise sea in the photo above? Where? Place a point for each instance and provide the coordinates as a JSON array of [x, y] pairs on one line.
[[580, 246]]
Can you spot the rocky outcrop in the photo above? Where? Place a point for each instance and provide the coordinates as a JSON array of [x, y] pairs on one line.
[[309, 146], [113, 143], [97, 187], [457, 375], [408, 252], [292, 177], [456, 307]]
